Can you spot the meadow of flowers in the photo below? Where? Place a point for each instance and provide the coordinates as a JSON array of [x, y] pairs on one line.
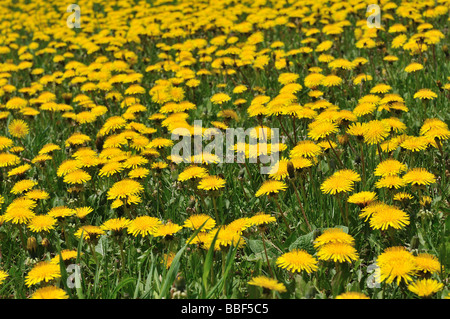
[[95, 204]]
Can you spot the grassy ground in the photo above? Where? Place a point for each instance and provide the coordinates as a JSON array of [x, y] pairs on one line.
[[157, 42]]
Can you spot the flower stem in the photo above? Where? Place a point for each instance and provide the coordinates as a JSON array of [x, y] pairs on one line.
[[363, 163], [265, 252], [282, 215], [301, 206], [335, 153]]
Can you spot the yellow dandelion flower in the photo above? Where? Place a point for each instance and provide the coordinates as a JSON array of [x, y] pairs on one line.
[[267, 283], [195, 221], [352, 295], [270, 187], [396, 263], [419, 176], [49, 292], [425, 94], [143, 225], [427, 263], [167, 229], [43, 271], [22, 186], [297, 261], [425, 287], [89, 232], [337, 252], [18, 128], [41, 223], [211, 183], [124, 189], [333, 235]]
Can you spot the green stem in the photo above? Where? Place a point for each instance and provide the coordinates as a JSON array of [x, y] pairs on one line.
[[335, 153], [282, 215], [301, 206], [265, 252]]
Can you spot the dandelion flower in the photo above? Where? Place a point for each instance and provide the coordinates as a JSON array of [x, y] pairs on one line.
[[337, 252], [19, 170], [322, 130], [381, 88], [267, 283], [192, 172], [396, 263], [336, 184], [49, 292], [413, 67], [124, 189], [68, 166], [415, 143], [66, 254], [402, 197], [419, 176], [376, 131], [143, 225], [425, 94], [88, 232], [220, 98], [333, 235], [261, 219], [168, 229], [18, 128], [41, 223], [111, 168], [391, 217], [352, 295], [22, 186], [297, 261], [61, 211], [390, 167], [78, 176], [82, 212], [270, 187], [139, 172], [19, 215], [115, 224], [306, 149], [363, 198], [331, 80], [5, 143], [195, 221], [3, 276], [425, 287], [390, 181], [211, 183], [43, 271], [427, 263], [7, 159]]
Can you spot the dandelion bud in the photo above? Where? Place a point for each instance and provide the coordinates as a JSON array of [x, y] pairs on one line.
[[191, 203], [311, 292], [316, 233], [343, 139], [45, 242], [99, 143], [291, 169], [67, 97], [241, 174], [31, 244], [180, 283], [415, 242]]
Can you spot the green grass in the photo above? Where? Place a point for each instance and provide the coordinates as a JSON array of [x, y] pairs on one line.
[[200, 273]]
